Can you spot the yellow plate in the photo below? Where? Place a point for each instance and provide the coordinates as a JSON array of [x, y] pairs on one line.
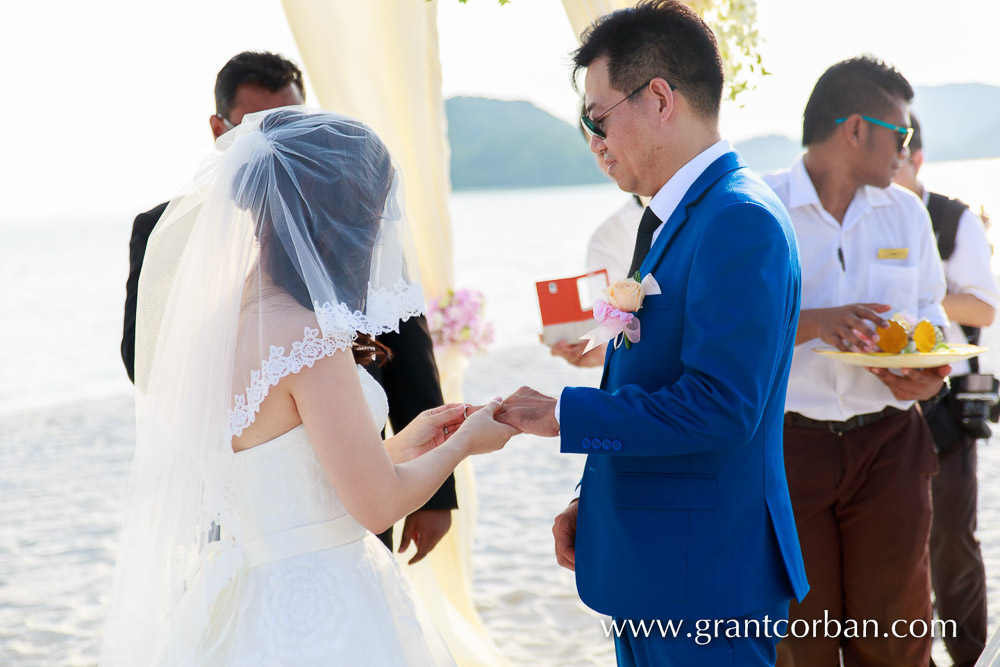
[[953, 353]]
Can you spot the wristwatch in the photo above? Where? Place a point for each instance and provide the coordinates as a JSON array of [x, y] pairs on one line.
[[942, 392]]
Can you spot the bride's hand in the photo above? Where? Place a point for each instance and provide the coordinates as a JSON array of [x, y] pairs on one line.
[[483, 433], [428, 430]]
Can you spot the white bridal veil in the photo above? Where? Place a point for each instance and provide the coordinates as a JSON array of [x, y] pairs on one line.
[[293, 212]]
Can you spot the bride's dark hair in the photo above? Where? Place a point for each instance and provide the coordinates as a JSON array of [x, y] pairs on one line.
[[306, 169]]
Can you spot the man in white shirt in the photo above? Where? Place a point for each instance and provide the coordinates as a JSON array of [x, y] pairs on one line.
[[610, 248], [858, 454], [611, 245], [958, 576]]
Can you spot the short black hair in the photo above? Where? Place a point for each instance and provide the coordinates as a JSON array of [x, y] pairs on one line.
[[260, 68], [657, 38], [916, 141], [864, 85]]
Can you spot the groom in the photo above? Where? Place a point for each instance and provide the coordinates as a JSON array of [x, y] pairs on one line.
[[683, 512]]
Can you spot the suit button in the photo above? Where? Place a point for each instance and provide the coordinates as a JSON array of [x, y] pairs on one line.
[[605, 444], [586, 443], [616, 445]]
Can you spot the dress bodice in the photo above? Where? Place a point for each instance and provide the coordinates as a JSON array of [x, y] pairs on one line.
[[313, 587], [280, 484]]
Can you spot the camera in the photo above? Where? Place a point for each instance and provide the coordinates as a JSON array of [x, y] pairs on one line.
[[975, 402]]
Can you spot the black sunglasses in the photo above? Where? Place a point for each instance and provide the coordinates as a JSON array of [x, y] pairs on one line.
[[591, 124]]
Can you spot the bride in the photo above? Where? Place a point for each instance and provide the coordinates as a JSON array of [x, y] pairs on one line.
[[259, 476]]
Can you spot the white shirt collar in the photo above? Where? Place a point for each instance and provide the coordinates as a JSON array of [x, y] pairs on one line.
[[666, 200], [802, 191]]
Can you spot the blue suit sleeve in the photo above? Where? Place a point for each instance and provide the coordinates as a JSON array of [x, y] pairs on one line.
[[741, 310]]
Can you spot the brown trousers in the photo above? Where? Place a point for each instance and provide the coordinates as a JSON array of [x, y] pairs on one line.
[[862, 507]]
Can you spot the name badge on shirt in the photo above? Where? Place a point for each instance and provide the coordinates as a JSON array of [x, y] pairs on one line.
[[893, 253]]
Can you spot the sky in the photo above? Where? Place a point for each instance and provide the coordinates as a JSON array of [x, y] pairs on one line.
[[106, 103]]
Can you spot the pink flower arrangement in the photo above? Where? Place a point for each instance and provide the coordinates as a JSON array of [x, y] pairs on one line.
[[457, 319]]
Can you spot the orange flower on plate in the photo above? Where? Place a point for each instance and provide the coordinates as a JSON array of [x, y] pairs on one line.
[[926, 336], [893, 338]]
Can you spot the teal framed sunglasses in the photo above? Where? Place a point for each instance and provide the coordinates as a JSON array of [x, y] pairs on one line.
[[591, 124], [904, 134]]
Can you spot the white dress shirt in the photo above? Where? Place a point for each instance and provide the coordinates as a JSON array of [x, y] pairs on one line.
[[670, 195], [611, 246], [968, 271], [884, 252]]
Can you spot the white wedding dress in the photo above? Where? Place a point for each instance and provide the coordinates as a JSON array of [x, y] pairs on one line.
[[316, 588], [250, 558]]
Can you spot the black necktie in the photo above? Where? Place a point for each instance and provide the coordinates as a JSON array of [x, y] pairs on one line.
[[643, 239]]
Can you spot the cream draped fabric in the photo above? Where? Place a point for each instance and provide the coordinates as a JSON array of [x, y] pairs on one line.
[[377, 61]]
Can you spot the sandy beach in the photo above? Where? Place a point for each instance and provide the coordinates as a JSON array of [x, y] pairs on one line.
[[65, 472]]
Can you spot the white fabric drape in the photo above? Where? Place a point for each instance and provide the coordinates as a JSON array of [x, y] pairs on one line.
[[377, 61]]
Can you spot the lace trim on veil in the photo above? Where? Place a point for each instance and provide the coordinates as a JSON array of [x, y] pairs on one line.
[[341, 326], [386, 308]]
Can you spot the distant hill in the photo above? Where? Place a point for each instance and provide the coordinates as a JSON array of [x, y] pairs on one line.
[[499, 144], [769, 153], [959, 121]]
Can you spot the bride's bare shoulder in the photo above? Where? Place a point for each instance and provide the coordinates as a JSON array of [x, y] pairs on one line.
[[286, 318], [278, 328], [275, 332], [292, 323]]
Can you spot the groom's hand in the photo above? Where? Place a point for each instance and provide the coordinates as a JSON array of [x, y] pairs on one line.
[[564, 532], [530, 412]]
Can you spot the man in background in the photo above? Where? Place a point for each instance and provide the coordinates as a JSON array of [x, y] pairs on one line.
[[858, 454], [610, 248], [958, 577], [252, 82]]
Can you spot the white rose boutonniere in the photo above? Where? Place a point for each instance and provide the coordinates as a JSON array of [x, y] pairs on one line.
[[616, 312], [625, 295]]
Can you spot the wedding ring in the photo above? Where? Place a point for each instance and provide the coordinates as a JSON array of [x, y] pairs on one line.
[[465, 413], [446, 430]]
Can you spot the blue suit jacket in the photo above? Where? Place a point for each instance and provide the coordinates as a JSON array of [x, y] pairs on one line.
[[684, 508]]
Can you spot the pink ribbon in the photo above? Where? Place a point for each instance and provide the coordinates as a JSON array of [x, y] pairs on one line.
[[614, 323]]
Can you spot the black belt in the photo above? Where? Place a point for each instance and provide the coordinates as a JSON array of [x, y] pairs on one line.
[[840, 428]]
